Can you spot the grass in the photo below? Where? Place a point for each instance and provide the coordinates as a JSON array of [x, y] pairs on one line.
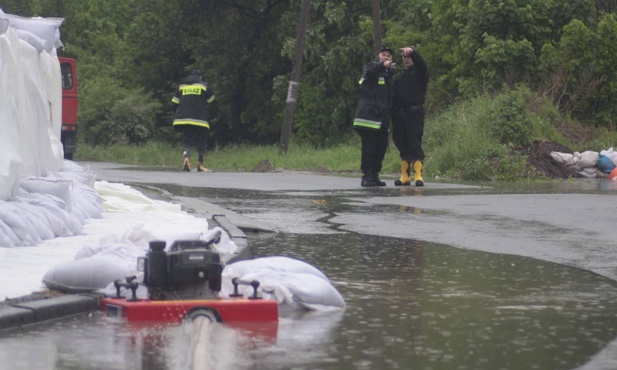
[[472, 140], [344, 158]]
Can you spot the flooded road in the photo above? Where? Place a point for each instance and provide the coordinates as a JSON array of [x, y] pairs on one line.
[[450, 276], [410, 305]]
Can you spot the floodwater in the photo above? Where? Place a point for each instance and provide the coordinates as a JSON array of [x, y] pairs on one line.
[[411, 305]]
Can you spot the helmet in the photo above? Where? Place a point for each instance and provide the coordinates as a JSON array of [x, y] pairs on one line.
[[385, 48]]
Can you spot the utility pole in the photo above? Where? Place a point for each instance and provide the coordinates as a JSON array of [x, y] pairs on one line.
[[294, 83], [376, 25]]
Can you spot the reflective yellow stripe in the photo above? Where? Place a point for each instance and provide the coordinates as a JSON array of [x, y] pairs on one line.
[[189, 121], [194, 89], [382, 81], [361, 80], [367, 123]]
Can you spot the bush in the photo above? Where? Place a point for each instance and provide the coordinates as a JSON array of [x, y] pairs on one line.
[[509, 121], [112, 114]]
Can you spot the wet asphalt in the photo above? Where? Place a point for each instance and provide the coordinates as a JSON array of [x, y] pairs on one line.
[[570, 222]]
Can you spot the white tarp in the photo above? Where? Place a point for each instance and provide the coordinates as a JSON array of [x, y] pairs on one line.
[[31, 100]]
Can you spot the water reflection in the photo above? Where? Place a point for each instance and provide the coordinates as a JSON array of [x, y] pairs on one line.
[[411, 305], [421, 305]]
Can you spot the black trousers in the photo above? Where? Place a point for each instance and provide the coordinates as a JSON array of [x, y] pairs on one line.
[[374, 145], [407, 132], [195, 137]]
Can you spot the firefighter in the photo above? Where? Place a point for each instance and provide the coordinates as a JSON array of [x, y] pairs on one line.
[[409, 91], [372, 115], [192, 117]]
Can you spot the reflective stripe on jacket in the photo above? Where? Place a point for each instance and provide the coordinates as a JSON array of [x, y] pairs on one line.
[[375, 97], [192, 98]]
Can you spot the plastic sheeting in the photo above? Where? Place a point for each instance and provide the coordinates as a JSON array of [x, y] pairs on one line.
[[31, 103]]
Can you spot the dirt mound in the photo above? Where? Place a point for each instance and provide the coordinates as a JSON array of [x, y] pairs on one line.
[[539, 157]]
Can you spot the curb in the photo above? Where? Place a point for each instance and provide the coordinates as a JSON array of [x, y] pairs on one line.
[[25, 314]]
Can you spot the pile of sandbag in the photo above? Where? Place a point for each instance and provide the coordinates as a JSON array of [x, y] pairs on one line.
[[49, 207], [589, 164]]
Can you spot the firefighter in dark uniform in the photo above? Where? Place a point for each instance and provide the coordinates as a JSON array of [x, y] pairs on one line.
[[192, 117], [409, 92], [372, 115]]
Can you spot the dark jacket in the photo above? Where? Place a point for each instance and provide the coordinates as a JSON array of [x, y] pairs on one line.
[[410, 84], [192, 98], [375, 97]]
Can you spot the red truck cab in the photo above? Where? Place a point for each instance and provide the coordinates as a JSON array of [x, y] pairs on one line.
[[69, 106]]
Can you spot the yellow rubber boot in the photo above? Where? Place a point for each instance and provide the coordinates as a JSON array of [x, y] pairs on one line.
[[405, 179], [200, 167], [186, 166], [417, 175]]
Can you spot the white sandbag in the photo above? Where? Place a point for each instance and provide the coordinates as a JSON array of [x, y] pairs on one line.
[[138, 236], [226, 247], [53, 208], [82, 174], [94, 268], [566, 159], [72, 166], [56, 187], [87, 199], [32, 39], [5, 241], [38, 220], [20, 225], [85, 178], [8, 238], [45, 28], [87, 274], [278, 264], [56, 224], [589, 159], [293, 290], [72, 226], [589, 172], [293, 283]]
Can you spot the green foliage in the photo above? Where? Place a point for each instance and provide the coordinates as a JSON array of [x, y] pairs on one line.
[[509, 120], [583, 84], [111, 114], [476, 140]]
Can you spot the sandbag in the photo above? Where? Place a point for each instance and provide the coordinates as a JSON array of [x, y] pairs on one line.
[[589, 159], [32, 39], [47, 29], [8, 238], [566, 159], [294, 284], [56, 187], [276, 263], [589, 172], [18, 224], [87, 274], [57, 224]]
